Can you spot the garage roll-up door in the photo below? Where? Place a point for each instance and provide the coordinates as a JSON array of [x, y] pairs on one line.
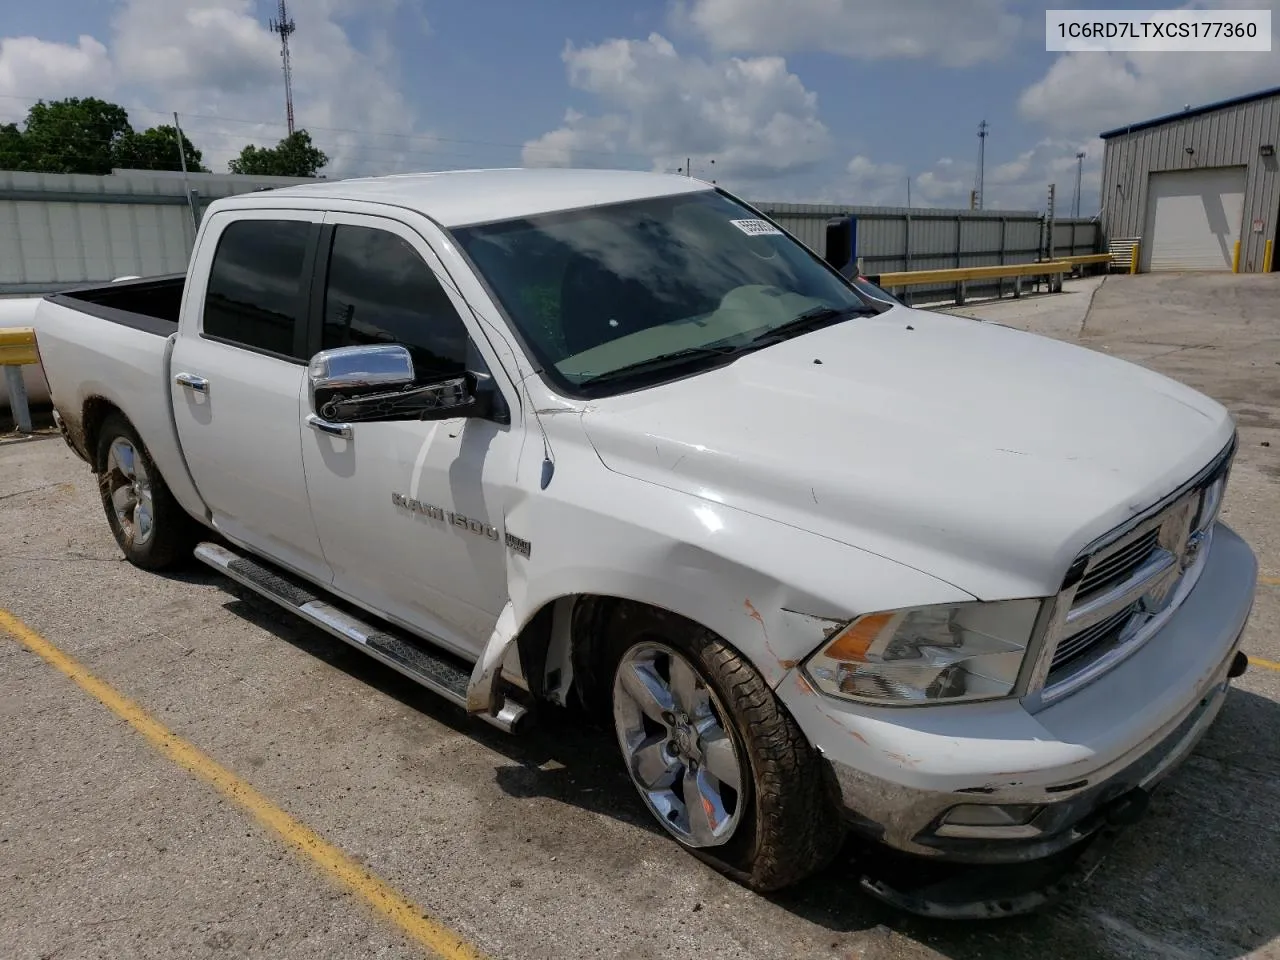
[[1194, 218]]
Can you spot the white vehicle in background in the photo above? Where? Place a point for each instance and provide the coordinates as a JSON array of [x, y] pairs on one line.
[[827, 565]]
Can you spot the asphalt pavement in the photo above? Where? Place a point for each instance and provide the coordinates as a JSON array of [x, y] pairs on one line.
[[114, 845]]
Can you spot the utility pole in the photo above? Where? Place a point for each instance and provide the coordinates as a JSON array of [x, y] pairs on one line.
[[285, 27], [182, 159], [1079, 173], [982, 162], [908, 193], [1053, 187]]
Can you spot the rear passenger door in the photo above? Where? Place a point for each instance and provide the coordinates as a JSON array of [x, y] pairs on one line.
[[238, 380]]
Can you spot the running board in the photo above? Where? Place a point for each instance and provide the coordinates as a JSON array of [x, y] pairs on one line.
[[439, 672]]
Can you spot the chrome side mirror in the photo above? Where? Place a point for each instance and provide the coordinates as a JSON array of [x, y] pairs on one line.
[[378, 382], [355, 369]]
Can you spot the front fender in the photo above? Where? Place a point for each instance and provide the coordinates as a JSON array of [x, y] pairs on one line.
[[772, 591]]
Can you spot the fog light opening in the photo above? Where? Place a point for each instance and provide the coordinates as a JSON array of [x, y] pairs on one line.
[[990, 821], [991, 814]]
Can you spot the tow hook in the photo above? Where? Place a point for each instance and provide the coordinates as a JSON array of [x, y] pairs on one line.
[[1239, 664]]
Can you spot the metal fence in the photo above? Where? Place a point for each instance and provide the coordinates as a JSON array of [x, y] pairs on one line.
[[57, 230], [896, 239], [62, 229]]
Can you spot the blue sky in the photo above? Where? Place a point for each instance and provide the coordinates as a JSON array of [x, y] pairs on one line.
[[805, 100]]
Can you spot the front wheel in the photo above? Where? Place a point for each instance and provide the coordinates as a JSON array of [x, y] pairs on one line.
[[716, 759], [149, 525]]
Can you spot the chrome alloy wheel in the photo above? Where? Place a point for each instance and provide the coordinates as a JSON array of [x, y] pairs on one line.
[[672, 731], [129, 487]]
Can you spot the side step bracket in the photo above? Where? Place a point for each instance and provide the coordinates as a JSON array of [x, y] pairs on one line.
[[438, 671]]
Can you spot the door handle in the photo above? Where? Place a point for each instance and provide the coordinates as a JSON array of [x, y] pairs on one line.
[[332, 429], [198, 384]]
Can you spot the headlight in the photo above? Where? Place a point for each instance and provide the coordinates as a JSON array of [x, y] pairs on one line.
[[944, 653]]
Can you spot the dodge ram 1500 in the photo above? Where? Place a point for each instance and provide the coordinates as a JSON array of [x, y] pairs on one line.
[[826, 564]]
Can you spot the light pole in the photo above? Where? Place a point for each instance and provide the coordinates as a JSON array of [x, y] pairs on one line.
[[1079, 172]]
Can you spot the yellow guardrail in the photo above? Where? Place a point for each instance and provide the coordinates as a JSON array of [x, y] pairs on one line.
[[18, 346], [17, 350], [919, 278], [1084, 259]]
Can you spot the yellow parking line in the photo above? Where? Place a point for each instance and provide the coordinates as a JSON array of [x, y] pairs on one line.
[[1260, 662], [409, 917]]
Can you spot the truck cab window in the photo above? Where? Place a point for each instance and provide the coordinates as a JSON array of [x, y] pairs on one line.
[[255, 295], [380, 290]]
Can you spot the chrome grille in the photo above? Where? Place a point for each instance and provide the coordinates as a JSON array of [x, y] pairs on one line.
[[1120, 565], [1127, 585], [1102, 632]]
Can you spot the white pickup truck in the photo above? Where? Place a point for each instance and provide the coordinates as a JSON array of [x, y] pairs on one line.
[[828, 565]]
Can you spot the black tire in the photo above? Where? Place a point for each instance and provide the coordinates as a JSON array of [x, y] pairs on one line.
[[790, 825], [172, 533]]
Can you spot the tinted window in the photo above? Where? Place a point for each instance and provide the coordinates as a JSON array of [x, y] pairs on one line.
[[255, 294], [380, 291]]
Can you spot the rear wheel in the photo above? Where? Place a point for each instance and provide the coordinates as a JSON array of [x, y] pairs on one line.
[[716, 759], [150, 527]]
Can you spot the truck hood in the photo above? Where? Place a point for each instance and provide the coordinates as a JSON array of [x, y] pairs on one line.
[[981, 455]]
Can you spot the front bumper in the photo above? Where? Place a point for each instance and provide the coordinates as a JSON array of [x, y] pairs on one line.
[[901, 769]]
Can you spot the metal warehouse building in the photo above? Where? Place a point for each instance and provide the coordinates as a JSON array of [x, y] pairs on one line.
[[1197, 190]]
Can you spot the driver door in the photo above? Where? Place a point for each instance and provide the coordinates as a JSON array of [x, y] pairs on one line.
[[379, 283]]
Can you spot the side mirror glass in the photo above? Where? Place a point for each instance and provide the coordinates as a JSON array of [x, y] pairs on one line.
[[378, 382]]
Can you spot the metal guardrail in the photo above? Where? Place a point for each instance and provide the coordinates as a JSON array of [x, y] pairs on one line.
[[17, 350], [1054, 270]]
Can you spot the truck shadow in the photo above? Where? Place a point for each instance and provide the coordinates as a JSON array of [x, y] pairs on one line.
[[1199, 876]]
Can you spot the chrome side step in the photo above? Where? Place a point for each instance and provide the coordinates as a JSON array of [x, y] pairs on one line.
[[439, 672]]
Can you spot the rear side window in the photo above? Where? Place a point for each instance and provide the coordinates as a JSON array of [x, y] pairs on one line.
[[381, 291], [256, 295]]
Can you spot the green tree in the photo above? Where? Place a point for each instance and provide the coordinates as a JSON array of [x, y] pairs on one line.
[[13, 148], [294, 156], [156, 149], [73, 135]]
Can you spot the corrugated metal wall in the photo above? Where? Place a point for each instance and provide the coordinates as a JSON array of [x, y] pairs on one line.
[[1223, 138], [897, 238], [58, 229], [892, 239]]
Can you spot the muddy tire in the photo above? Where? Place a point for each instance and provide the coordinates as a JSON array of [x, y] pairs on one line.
[[715, 756], [150, 527]]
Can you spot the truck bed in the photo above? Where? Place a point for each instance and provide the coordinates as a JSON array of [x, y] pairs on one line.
[[108, 346], [150, 304]]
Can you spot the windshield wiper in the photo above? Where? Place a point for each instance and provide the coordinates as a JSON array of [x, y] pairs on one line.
[[660, 362], [811, 319]]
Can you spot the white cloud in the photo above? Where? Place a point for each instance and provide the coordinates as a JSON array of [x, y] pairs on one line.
[[752, 116], [34, 68], [1083, 94], [943, 31], [1020, 183], [218, 65]]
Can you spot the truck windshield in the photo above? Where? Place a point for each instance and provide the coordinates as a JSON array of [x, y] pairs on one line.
[[612, 297]]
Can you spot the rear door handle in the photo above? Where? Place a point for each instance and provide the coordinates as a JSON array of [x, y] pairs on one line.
[[332, 429], [198, 384]]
